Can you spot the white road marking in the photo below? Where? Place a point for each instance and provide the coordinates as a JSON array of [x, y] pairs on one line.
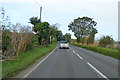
[[79, 56], [39, 63], [70, 48], [101, 74], [73, 51], [76, 54]]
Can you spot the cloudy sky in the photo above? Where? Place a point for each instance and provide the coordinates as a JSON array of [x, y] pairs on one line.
[[104, 12]]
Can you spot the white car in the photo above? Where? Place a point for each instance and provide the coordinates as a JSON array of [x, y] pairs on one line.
[[63, 44]]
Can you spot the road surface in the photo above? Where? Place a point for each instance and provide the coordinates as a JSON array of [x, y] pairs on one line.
[[75, 63]]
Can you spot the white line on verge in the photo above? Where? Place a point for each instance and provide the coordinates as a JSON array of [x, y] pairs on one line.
[[39, 63], [79, 56], [101, 74]]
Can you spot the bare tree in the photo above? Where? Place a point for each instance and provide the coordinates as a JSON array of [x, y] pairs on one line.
[[20, 40]]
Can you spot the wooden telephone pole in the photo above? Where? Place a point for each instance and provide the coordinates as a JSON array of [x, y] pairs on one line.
[[40, 13]]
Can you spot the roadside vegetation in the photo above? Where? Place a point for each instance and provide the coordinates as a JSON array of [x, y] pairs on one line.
[[84, 30], [106, 46], [24, 60], [101, 50]]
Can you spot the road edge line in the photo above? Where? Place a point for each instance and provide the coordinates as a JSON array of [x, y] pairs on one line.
[[40, 63], [101, 74]]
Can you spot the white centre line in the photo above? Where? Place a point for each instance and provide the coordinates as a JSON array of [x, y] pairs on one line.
[[79, 56], [39, 63], [76, 54], [72, 49], [101, 74]]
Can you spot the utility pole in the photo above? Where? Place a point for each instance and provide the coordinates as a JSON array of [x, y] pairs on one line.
[[40, 8], [40, 13], [119, 21]]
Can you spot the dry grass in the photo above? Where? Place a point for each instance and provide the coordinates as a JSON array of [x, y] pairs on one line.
[[95, 44], [115, 46]]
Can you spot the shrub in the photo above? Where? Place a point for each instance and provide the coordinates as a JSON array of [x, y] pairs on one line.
[[16, 40], [35, 41], [105, 41]]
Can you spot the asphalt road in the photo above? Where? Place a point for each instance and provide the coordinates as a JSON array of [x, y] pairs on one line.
[[75, 63]]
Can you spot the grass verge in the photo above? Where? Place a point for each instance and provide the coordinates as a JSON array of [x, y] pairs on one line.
[[22, 61], [114, 53]]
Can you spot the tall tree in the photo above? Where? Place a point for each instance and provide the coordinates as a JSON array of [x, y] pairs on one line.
[[82, 27], [42, 29]]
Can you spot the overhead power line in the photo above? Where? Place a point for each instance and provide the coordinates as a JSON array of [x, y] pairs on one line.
[[37, 3]]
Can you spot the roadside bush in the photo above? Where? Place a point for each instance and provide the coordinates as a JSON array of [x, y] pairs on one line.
[[18, 39], [106, 41], [35, 41], [6, 48]]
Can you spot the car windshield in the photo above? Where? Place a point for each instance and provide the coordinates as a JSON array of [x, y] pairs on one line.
[[63, 42]]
